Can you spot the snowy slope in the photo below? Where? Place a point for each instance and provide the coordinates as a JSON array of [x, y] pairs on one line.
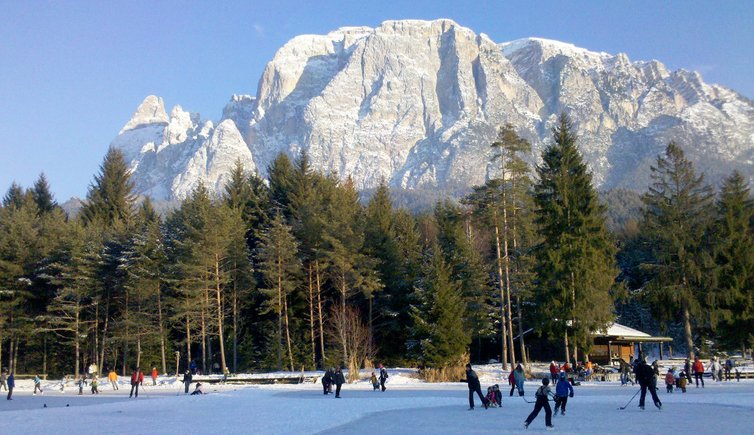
[[418, 102]]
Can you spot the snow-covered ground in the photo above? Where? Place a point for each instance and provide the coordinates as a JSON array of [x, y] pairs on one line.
[[408, 406]]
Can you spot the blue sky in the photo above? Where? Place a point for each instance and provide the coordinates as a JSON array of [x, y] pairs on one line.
[[72, 72]]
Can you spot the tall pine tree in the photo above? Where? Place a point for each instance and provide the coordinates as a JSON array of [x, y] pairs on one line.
[[676, 217], [731, 302], [576, 266]]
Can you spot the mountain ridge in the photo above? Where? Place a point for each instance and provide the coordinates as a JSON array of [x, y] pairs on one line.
[[418, 102]]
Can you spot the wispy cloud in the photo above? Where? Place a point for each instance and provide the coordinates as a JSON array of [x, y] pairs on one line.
[[259, 30], [704, 68]]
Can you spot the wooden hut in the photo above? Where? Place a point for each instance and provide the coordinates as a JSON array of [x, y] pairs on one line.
[[620, 342]]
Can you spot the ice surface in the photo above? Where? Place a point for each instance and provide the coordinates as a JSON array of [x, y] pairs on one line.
[[408, 406]]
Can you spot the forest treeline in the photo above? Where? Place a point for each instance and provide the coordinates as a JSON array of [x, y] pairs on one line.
[[296, 273]]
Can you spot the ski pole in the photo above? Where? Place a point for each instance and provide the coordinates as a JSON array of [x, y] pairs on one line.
[[629, 400]]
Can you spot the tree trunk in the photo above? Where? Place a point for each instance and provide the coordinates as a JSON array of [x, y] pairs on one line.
[[218, 289], [311, 317], [504, 335], [567, 353], [138, 350], [280, 314], [687, 331], [370, 344], [343, 292], [77, 331], [44, 354], [188, 342], [319, 312], [161, 329], [235, 327], [288, 331], [96, 333], [104, 336], [521, 331], [203, 332], [507, 301]]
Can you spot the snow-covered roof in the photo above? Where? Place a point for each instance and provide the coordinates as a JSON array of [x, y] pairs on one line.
[[624, 331], [618, 330]]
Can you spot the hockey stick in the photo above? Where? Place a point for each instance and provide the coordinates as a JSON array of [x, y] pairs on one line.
[[629, 400]]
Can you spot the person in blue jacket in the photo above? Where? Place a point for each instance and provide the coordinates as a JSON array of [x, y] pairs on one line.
[[11, 385], [563, 391]]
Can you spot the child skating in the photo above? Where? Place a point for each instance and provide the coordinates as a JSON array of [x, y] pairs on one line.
[[542, 395], [563, 391]]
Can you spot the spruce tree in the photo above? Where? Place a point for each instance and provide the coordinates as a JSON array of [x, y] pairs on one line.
[[458, 243], [281, 177], [110, 200], [676, 217], [576, 266], [14, 197], [731, 302], [281, 270], [42, 195], [438, 318]]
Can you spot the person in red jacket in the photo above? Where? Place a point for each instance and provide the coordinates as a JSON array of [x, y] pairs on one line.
[[554, 371], [512, 382], [137, 378], [154, 375], [698, 371]]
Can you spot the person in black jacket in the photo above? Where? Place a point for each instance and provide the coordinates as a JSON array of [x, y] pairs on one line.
[[187, 380], [645, 375], [383, 377], [326, 381], [339, 381], [474, 387]]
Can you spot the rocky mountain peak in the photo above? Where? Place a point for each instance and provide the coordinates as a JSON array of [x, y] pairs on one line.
[[150, 111]]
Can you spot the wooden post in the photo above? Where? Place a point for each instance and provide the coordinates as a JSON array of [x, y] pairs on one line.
[[660, 343], [609, 353]]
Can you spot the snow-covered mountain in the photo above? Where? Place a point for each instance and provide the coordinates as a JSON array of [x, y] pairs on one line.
[[418, 102]]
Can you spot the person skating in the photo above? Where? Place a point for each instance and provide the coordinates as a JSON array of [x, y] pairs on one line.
[[682, 381], [187, 381], [687, 370], [563, 390], [519, 377], [498, 395], [339, 381], [728, 368], [326, 382], [113, 378], [512, 382], [474, 387], [37, 385], [375, 382], [542, 395], [137, 378], [554, 370], [155, 373], [11, 381], [81, 382], [383, 377], [95, 385], [491, 397], [197, 390], [698, 371], [669, 381], [646, 377]]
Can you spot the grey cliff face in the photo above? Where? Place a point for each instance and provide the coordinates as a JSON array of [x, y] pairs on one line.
[[417, 103]]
